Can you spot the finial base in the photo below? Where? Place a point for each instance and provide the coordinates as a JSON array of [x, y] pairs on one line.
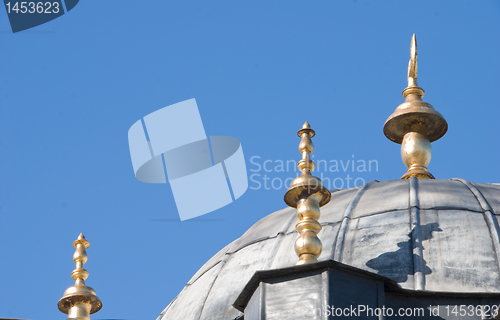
[[416, 153], [306, 259], [79, 312], [419, 174]]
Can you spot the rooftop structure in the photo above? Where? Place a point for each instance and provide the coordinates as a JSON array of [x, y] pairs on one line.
[[414, 242]]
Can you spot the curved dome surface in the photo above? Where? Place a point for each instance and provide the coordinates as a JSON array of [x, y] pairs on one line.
[[435, 235]]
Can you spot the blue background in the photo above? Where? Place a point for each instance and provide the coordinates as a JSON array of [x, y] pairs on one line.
[[71, 88]]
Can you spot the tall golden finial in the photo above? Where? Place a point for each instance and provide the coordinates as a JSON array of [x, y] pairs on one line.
[[79, 301], [307, 194], [415, 124]]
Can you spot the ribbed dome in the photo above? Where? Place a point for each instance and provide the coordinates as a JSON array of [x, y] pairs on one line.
[[436, 235]]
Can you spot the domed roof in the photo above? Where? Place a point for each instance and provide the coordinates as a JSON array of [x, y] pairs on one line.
[[435, 235]]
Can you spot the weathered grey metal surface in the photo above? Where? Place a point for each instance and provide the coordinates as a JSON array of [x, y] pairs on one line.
[[330, 290], [437, 235]]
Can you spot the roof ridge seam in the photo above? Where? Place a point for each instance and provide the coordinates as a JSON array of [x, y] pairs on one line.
[[222, 262], [415, 235], [164, 312], [277, 243], [336, 253], [210, 268]]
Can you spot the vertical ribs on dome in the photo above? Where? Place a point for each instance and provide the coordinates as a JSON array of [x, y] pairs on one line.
[[79, 301], [415, 124], [307, 193], [416, 237]]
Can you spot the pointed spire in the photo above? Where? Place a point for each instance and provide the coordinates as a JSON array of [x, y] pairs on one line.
[[415, 124], [306, 147], [413, 87], [413, 63], [80, 257], [79, 301], [307, 194]]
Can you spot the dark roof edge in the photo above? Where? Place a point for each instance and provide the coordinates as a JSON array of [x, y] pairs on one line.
[[390, 285]]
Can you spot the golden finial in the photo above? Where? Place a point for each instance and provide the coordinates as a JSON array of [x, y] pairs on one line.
[[307, 194], [79, 301], [415, 124]]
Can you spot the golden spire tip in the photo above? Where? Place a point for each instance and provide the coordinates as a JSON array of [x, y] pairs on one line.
[[413, 64], [306, 125]]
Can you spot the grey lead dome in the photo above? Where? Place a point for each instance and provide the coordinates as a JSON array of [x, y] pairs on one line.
[[434, 235]]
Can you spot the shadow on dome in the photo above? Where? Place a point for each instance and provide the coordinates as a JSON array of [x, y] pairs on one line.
[[398, 264]]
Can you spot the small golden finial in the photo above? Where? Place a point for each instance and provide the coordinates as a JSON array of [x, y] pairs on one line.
[[79, 301], [415, 124], [307, 194]]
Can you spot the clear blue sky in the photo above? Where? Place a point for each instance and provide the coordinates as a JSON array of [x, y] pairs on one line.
[[71, 88]]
